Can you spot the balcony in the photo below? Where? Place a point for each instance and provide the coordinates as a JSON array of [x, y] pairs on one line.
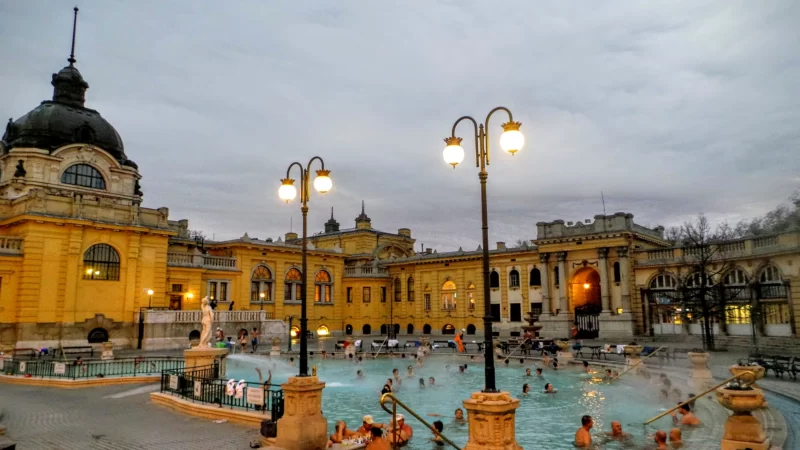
[[366, 272], [201, 261], [740, 248], [193, 316], [11, 245]]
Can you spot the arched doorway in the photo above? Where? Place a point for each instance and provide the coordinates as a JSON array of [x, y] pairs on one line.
[[97, 336], [366, 329], [194, 337], [348, 329], [396, 330], [410, 329], [585, 290], [448, 329], [426, 329], [383, 329], [470, 329]]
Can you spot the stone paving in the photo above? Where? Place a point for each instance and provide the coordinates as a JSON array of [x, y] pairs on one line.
[[108, 418]]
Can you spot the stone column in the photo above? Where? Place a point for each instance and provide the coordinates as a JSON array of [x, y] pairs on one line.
[[562, 282], [602, 256], [302, 426], [492, 421], [544, 258], [624, 279]]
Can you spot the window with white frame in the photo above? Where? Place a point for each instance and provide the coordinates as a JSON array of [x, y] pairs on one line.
[[427, 302], [449, 295], [323, 287], [219, 290], [293, 286], [261, 285], [513, 279]]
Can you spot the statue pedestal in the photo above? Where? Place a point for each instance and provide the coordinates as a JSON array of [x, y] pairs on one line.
[[276, 350], [108, 351], [302, 426], [492, 421], [742, 430], [701, 375], [564, 357], [200, 358]]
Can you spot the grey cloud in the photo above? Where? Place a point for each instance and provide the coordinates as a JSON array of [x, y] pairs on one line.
[[670, 108]]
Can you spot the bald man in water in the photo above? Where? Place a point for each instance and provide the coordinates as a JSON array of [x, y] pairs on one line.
[[675, 438], [616, 431], [660, 439]]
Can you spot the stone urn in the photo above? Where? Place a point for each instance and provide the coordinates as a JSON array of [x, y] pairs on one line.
[[698, 359], [742, 430], [276, 341], [562, 345], [633, 350], [757, 371], [108, 351]]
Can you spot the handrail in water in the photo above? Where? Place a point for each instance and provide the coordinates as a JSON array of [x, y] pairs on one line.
[[640, 361], [748, 373], [393, 412]]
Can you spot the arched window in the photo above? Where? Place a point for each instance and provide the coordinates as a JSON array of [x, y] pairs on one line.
[[555, 276], [410, 329], [348, 329], [494, 279], [448, 329], [695, 281], [261, 285], [101, 262], [410, 289], [323, 331], [426, 329], [293, 286], [617, 274], [449, 295], [770, 275], [397, 290], [366, 329], [513, 278], [83, 175], [323, 287], [470, 329], [536, 278], [663, 282], [384, 329], [735, 277]]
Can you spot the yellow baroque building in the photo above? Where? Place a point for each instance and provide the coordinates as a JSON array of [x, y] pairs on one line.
[[82, 261]]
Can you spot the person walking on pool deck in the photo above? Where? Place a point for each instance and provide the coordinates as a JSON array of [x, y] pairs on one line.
[[459, 340]]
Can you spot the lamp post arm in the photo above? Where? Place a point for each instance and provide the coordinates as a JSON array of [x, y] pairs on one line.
[[303, 176], [307, 184], [486, 128], [477, 136]]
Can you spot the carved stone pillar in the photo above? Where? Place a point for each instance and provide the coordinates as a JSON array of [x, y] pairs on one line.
[[544, 271], [624, 279], [492, 421], [562, 282], [302, 426], [602, 256]]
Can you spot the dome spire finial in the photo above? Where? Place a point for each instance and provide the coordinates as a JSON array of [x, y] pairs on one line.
[[71, 58]]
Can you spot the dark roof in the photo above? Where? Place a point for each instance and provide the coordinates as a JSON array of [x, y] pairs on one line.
[[65, 120]]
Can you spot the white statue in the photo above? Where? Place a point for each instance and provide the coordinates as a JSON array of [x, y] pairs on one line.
[[206, 319]]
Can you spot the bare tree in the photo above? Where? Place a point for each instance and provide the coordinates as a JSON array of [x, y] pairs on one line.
[[522, 243], [705, 262]]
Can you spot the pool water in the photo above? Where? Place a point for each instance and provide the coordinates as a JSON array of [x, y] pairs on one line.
[[543, 420]]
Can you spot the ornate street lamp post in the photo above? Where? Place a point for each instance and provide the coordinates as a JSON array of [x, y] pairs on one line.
[[287, 192], [511, 141]]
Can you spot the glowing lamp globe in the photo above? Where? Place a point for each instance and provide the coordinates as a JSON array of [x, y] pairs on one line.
[[453, 154], [287, 192], [512, 140], [323, 182], [149, 292]]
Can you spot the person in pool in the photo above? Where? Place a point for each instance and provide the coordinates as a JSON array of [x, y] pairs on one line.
[[410, 372], [360, 373], [675, 439], [583, 437], [616, 431], [431, 381], [528, 372], [688, 417], [458, 417], [526, 389], [538, 371], [367, 424], [549, 389], [378, 442], [438, 426], [660, 438], [422, 383], [586, 367], [341, 433], [396, 374]]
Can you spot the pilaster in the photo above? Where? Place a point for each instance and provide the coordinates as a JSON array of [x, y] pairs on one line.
[[562, 282], [544, 258], [602, 256], [624, 268]]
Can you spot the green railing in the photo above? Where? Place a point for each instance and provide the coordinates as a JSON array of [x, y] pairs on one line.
[[202, 385], [73, 370]]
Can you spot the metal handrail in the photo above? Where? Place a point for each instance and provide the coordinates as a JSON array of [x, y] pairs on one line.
[[640, 361], [518, 347], [751, 374], [393, 412]]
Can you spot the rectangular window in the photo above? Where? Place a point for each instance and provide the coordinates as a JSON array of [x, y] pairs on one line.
[[427, 302], [177, 288], [349, 295], [298, 292], [223, 292], [495, 312], [328, 296], [383, 294], [516, 312], [513, 279], [776, 313], [317, 293], [471, 301], [287, 291], [212, 290], [365, 295], [255, 291], [737, 314], [411, 294]]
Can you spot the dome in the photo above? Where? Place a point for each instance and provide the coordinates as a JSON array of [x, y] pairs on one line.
[[65, 120]]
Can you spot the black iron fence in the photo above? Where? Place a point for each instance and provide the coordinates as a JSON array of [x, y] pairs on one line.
[[75, 369], [202, 385]]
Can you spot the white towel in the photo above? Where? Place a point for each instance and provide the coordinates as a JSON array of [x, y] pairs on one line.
[[358, 343], [393, 342], [620, 349]]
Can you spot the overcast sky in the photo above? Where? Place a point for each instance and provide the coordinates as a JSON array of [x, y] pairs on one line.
[[670, 108]]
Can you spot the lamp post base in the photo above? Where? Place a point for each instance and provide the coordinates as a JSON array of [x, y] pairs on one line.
[[302, 426], [492, 421]]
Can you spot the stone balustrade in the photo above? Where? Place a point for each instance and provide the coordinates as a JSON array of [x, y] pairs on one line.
[[199, 260], [366, 272], [193, 316], [754, 246], [11, 245]]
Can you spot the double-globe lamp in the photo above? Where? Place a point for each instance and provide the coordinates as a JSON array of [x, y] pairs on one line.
[[287, 192], [512, 140]]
